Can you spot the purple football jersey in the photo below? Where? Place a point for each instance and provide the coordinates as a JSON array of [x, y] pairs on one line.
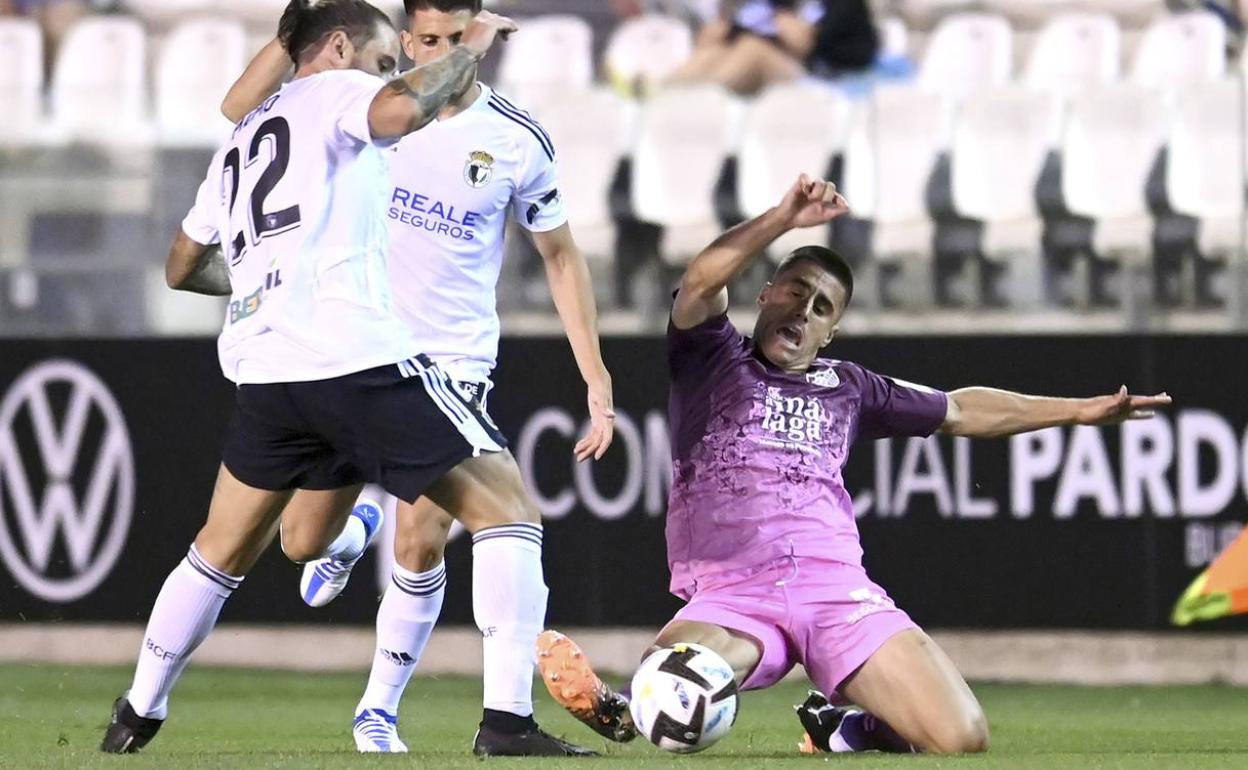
[[758, 452]]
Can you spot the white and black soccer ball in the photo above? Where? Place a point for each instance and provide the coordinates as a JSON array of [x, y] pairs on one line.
[[684, 698]]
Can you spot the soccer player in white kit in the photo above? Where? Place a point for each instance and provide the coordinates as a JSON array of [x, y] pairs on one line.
[[453, 185], [331, 384]]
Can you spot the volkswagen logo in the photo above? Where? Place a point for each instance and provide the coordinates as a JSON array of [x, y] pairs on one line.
[[66, 480]]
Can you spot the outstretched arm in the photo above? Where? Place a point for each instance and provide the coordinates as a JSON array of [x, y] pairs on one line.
[[264, 74], [194, 267], [703, 289], [414, 98], [570, 287], [990, 413]]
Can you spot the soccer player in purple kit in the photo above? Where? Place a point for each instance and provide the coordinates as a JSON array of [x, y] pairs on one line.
[[761, 537]]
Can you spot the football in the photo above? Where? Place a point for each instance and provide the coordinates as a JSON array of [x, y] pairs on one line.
[[684, 698]]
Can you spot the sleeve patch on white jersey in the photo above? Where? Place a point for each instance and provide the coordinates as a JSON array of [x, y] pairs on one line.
[[536, 208]]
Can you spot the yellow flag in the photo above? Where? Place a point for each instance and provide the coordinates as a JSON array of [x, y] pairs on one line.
[[1220, 590]]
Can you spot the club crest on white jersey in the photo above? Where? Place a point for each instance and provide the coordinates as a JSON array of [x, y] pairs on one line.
[[479, 168]]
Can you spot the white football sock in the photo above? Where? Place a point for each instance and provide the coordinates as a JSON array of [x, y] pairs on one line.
[[405, 619], [509, 605], [185, 612], [349, 544]]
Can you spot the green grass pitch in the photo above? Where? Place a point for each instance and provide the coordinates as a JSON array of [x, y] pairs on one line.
[[53, 718]]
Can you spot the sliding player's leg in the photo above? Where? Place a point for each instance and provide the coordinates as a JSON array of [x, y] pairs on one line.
[[857, 645], [911, 686], [739, 618]]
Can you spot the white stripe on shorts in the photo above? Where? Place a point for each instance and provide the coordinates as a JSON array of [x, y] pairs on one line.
[[439, 390]]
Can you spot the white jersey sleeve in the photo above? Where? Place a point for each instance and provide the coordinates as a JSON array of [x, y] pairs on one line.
[[537, 204], [351, 125], [203, 220]]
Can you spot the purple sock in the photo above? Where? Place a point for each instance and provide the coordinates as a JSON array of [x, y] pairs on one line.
[[861, 731]]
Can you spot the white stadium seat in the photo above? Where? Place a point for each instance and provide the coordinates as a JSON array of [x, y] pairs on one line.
[[967, 52], [1113, 135], [257, 12], [264, 14], [788, 130], [643, 51], [1204, 169], [166, 12], [1180, 50], [1074, 51], [198, 62], [99, 83], [590, 130], [550, 54], [1000, 142], [887, 166], [21, 81], [685, 134]]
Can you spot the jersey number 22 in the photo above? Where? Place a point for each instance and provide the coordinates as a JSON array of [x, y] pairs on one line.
[[273, 135]]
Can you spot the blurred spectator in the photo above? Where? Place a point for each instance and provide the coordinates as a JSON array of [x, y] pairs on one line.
[[753, 43], [54, 16], [627, 8]]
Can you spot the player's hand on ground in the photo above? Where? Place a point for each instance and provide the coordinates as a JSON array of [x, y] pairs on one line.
[[601, 423], [1121, 406], [812, 202], [484, 29]]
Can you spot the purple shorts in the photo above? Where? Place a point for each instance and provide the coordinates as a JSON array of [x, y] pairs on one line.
[[826, 615]]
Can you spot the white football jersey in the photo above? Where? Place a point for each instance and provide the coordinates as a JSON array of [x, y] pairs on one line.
[[453, 183], [297, 198]]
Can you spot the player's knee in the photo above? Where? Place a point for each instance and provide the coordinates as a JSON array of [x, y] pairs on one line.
[[421, 554], [968, 735], [515, 509], [301, 547]]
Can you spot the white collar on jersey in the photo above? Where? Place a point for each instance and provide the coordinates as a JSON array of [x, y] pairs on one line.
[[477, 103]]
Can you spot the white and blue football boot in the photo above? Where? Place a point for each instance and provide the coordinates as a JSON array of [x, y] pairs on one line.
[[377, 732], [324, 579]]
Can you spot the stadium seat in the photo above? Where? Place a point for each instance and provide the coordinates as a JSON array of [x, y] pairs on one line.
[[1204, 165], [198, 62], [887, 166], [552, 54], [685, 135], [789, 130], [967, 52], [257, 13], [1000, 142], [160, 13], [1181, 50], [1074, 51], [264, 14], [645, 50], [101, 70], [1113, 134], [590, 131], [21, 81]]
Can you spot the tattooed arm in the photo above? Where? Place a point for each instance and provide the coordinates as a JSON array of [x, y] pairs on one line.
[[413, 99], [194, 267]]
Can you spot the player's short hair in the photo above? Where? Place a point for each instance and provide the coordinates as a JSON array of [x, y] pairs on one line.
[[305, 23], [445, 6], [825, 258]]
